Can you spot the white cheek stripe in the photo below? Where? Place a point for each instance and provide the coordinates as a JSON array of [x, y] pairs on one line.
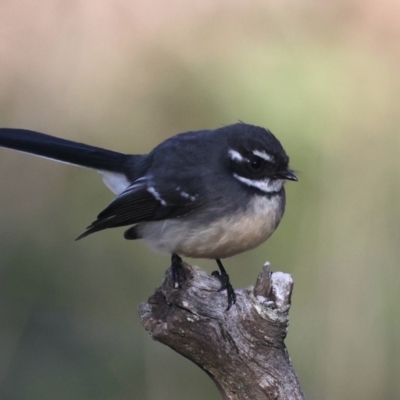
[[265, 156], [265, 185], [235, 155]]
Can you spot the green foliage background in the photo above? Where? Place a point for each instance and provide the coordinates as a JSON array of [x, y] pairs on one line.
[[323, 76]]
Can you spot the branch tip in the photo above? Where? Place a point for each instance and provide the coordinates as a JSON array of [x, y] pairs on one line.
[[263, 282]]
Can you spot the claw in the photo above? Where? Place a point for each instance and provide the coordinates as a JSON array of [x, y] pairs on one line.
[[223, 277], [178, 273]]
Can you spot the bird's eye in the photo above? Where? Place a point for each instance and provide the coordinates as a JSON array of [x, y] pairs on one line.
[[256, 163]]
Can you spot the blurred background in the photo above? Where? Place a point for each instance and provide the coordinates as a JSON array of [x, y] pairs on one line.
[[323, 76]]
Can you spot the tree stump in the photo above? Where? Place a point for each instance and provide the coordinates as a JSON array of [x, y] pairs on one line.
[[241, 349]]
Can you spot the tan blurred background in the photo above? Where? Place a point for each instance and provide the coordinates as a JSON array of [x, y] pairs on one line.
[[323, 76]]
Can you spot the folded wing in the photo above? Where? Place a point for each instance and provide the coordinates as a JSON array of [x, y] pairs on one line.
[[142, 202]]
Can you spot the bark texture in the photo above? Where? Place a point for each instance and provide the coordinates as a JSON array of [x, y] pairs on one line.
[[242, 349]]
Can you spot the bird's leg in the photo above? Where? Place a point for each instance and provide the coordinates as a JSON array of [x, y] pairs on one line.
[[223, 277], [178, 273]]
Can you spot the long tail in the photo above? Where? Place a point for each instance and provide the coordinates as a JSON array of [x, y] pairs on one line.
[[63, 150], [117, 169]]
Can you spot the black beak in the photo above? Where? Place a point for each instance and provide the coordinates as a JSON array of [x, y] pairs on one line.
[[288, 175]]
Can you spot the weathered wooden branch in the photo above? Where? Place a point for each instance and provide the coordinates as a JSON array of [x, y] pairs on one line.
[[242, 349]]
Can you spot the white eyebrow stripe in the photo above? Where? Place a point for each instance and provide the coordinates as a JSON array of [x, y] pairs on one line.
[[235, 155], [265, 185], [264, 155]]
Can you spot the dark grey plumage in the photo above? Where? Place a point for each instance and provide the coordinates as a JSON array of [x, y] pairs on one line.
[[190, 175]]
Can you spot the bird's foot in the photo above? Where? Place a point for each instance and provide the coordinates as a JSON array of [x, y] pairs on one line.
[[223, 277], [178, 273]]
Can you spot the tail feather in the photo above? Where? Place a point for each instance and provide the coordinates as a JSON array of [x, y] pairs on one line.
[[64, 150]]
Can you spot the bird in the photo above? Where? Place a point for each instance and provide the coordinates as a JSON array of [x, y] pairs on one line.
[[203, 194]]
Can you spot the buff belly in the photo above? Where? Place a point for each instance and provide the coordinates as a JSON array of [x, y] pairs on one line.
[[219, 238]]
